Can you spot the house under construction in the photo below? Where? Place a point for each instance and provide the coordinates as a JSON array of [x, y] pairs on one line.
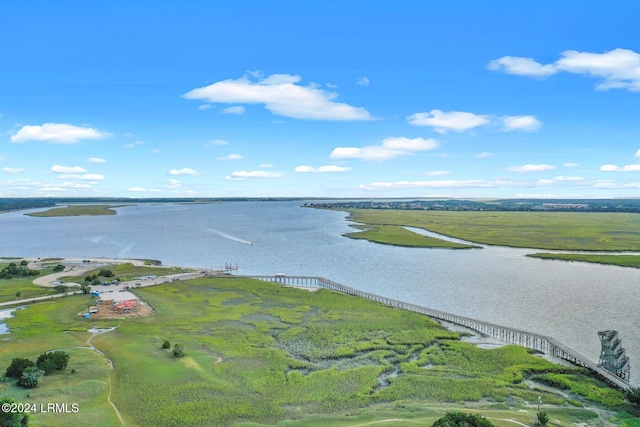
[[613, 357]]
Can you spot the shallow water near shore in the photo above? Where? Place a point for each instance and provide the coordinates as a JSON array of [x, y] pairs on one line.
[[566, 300]]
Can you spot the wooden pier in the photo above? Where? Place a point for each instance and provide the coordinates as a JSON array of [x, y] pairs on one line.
[[515, 336]]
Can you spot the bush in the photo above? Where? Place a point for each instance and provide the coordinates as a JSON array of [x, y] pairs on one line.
[[634, 396], [29, 378], [455, 419], [52, 361], [58, 268], [178, 350], [166, 344], [17, 366], [106, 273]]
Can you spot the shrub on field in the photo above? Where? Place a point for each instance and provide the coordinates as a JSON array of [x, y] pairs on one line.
[[29, 378], [178, 350], [455, 419], [18, 365], [52, 361], [166, 344]]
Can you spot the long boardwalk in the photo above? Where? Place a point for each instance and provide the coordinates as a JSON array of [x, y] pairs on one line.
[[519, 337]]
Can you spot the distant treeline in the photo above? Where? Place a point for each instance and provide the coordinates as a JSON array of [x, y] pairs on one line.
[[542, 205], [8, 204]]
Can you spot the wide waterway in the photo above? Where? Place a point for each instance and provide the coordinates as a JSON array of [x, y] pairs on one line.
[[568, 301]]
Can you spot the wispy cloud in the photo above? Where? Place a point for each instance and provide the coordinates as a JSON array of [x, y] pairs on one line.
[[96, 160], [571, 165], [391, 147], [57, 133], [615, 168], [521, 123], [238, 110], [322, 169], [67, 169], [231, 157], [281, 95], [362, 81], [242, 175], [531, 168], [617, 69], [472, 183], [442, 122], [183, 171], [137, 189], [218, 142], [13, 170], [133, 144], [482, 155]]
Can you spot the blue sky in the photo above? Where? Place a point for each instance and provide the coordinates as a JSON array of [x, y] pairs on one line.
[[324, 99]]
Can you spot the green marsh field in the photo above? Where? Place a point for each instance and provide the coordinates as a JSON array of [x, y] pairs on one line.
[[619, 260], [77, 210], [259, 354], [587, 231]]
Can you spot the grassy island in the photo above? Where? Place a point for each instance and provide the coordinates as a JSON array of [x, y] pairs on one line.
[[619, 260], [586, 231], [258, 354], [79, 210], [399, 236]]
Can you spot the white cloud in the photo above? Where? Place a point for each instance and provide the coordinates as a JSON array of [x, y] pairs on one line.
[[204, 107], [545, 181], [615, 168], [458, 121], [322, 169], [362, 81], [618, 68], [521, 66], [183, 171], [238, 109], [218, 142], [281, 96], [242, 175], [265, 165], [133, 144], [571, 165], [231, 157], [638, 153], [522, 123], [92, 177], [482, 155], [530, 168], [137, 189], [438, 173], [568, 178], [13, 170], [67, 169], [57, 133], [75, 185], [96, 160], [174, 183], [391, 147]]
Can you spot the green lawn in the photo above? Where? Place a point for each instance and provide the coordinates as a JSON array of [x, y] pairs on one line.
[[77, 210], [128, 271], [544, 230], [619, 260], [24, 285], [259, 354]]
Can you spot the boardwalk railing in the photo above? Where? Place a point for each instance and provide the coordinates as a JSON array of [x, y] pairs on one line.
[[519, 337]]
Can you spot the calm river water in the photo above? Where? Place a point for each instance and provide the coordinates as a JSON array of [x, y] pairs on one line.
[[568, 301]]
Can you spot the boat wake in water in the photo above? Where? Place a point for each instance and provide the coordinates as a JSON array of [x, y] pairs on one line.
[[229, 236]]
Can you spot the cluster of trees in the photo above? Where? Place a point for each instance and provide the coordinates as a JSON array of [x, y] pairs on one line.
[[460, 419], [94, 279], [178, 349], [27, 372], [10, 418], [13, 270]]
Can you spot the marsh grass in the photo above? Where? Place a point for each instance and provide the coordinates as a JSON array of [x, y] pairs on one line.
[[400, 236], [258, 352], [76, 210], [591, 231], [619, 260], [24, 285]]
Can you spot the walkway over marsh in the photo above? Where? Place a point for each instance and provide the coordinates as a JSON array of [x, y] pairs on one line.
[[519, 337]]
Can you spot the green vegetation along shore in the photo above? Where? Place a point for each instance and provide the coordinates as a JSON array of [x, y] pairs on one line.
[[587, 231], [619, 260], [77, 210], [259, 354], [400, 236]]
